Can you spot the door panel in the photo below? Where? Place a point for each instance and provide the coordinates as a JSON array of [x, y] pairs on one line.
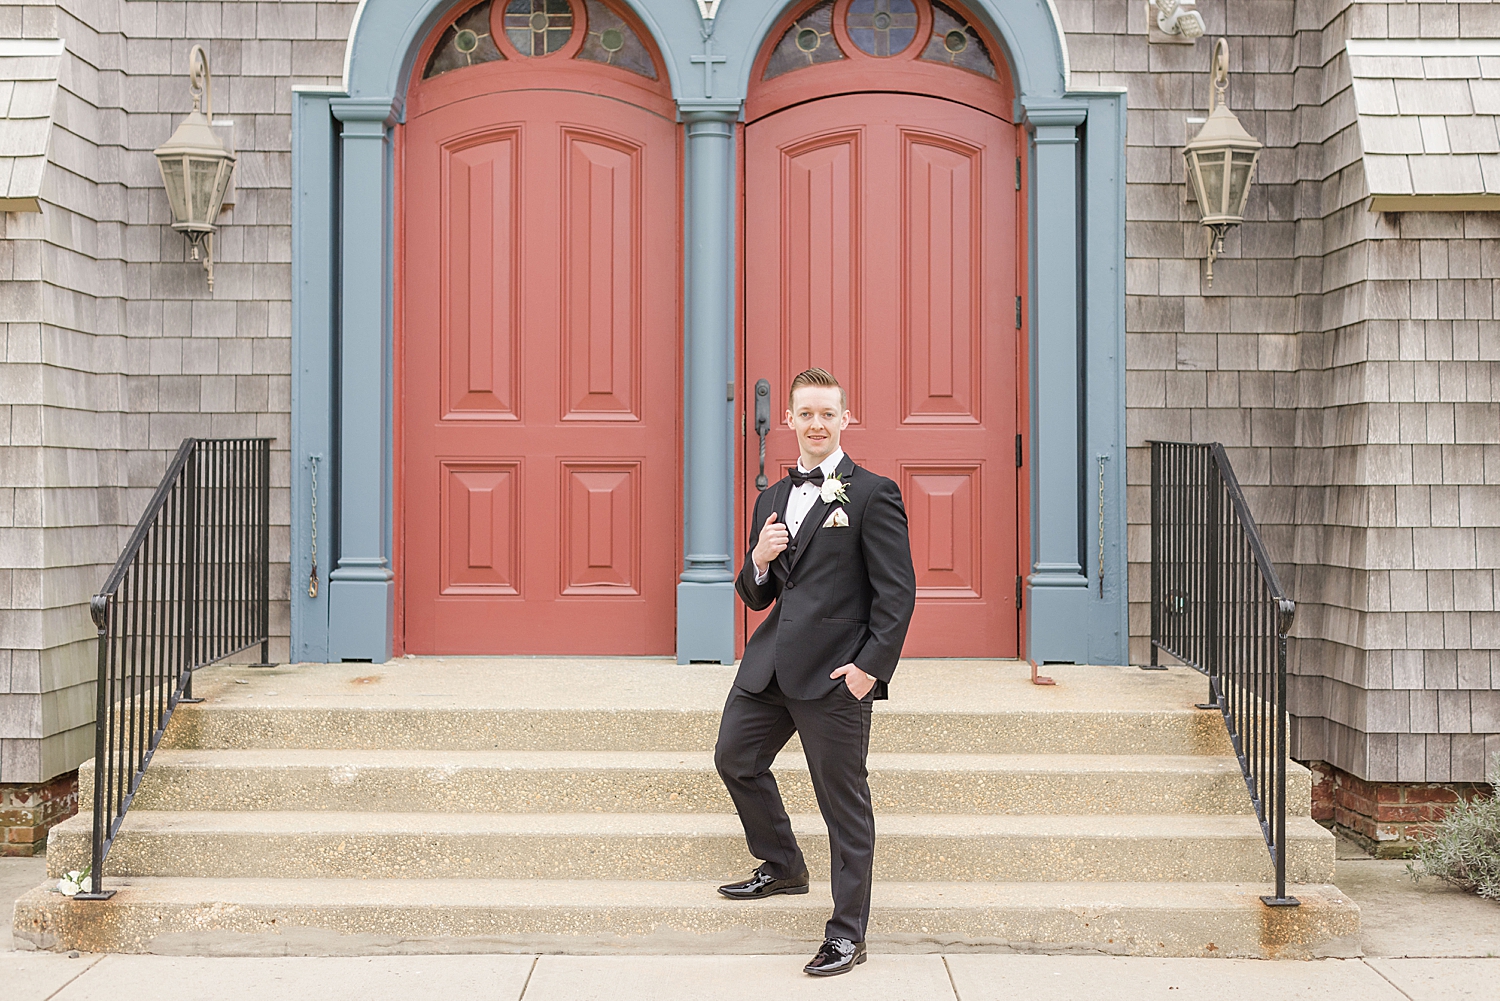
[[480, 344], [820, 287], [479, 529], [940, 262], [880, 244], [943, 505], [541, 382], [603, 207], [602, 527]]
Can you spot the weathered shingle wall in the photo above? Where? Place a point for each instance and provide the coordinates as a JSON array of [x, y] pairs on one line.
[[115, 348], [1348, 359], [1344, 357]]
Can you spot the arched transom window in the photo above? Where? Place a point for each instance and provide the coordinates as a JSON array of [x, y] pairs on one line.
[[500, 30], [834, 30]]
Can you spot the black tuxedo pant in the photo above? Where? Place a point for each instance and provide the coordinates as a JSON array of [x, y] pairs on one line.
[[835, 732]]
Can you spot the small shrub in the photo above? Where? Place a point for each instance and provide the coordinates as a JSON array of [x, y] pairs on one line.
[[1464, 847]]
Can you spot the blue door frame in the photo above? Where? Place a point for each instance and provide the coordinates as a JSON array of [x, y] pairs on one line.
[[343, 283]]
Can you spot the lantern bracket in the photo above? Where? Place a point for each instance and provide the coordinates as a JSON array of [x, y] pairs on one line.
[[1219, 74], [1218, 80], [201, 84]]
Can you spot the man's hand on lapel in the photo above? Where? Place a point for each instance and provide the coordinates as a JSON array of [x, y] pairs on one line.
[[773, 539], [858, 681]]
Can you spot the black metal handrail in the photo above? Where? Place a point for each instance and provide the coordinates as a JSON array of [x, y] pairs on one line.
[[1218, 606], [192, 586]]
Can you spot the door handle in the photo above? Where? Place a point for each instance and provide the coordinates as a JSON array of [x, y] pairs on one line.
[[762, 426]]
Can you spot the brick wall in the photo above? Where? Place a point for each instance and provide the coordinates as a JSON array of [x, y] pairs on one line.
[[28, 812], [1389, 818]]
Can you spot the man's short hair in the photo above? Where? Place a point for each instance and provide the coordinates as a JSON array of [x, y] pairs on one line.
[[816, 377]]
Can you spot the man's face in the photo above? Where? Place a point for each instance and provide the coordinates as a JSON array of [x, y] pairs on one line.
[[818, 417]]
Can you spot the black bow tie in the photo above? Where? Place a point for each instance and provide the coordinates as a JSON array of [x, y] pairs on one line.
[[798, 476]]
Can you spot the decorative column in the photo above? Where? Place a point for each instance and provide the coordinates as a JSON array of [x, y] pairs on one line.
[[1057, 588], [361, 592], [705, 591]]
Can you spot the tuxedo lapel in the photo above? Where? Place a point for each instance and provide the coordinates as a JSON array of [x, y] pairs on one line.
[[814, 520], [783, 490]]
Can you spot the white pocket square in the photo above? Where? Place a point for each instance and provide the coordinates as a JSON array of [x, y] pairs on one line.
[[839, 519]]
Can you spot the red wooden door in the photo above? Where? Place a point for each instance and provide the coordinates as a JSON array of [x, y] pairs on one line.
[[880, 244], [540, 377]]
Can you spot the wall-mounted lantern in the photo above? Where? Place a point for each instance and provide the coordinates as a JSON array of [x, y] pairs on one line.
[[1176, 17], [196, 167], [1221, 161]]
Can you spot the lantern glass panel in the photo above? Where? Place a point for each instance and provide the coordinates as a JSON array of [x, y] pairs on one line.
[[203, 178], [221, 187], [1239, 180], [172, 169], [1211, 175]]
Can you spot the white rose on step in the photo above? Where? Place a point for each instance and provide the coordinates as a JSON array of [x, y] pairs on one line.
[[75, 882]]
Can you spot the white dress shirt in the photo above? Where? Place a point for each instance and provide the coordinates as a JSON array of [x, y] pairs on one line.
[[801, 501]]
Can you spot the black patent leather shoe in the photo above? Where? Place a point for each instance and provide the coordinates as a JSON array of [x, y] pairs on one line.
[[761, 885], [838, 955]]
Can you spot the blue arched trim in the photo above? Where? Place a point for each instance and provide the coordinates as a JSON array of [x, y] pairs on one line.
[[343, 169], [386, 35], [1030, 30]]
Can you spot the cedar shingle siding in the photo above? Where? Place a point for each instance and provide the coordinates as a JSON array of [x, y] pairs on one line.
[[1347, 358]]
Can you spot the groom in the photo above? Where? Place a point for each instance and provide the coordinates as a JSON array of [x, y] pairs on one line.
[[829, 547]]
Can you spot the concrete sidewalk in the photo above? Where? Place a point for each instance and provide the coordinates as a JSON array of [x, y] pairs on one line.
[[1422, 942], [46, 977]]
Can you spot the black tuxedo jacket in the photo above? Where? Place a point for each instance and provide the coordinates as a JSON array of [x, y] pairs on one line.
[[843, 595]]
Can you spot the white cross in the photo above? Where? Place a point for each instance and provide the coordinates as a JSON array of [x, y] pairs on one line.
[[708, 60]]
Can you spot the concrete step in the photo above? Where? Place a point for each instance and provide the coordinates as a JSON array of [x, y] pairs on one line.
[[682, 782], [313, 917], [684, 846], [581, 704]]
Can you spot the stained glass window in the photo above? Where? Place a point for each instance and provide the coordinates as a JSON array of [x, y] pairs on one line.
[[538, 27], [611, 40], [467, 42], [881, 27], [954, 41], [808, 41]]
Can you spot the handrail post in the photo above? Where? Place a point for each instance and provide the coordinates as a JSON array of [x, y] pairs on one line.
[[263, 506], [99, 609], [1286, 609], [1212, 483], [1211, 576], [1157, 541], [190, 663]]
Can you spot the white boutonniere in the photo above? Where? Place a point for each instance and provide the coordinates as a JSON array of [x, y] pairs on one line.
[[75, 882], [833, 490]]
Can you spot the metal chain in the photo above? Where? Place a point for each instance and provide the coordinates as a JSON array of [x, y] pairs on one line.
[[312, 577], [1102, 460]]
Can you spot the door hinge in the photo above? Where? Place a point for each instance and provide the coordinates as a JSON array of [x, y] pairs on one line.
[[1018, 312], [1020, 460], [1018, 173], [1020, 589], [742, 424]]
